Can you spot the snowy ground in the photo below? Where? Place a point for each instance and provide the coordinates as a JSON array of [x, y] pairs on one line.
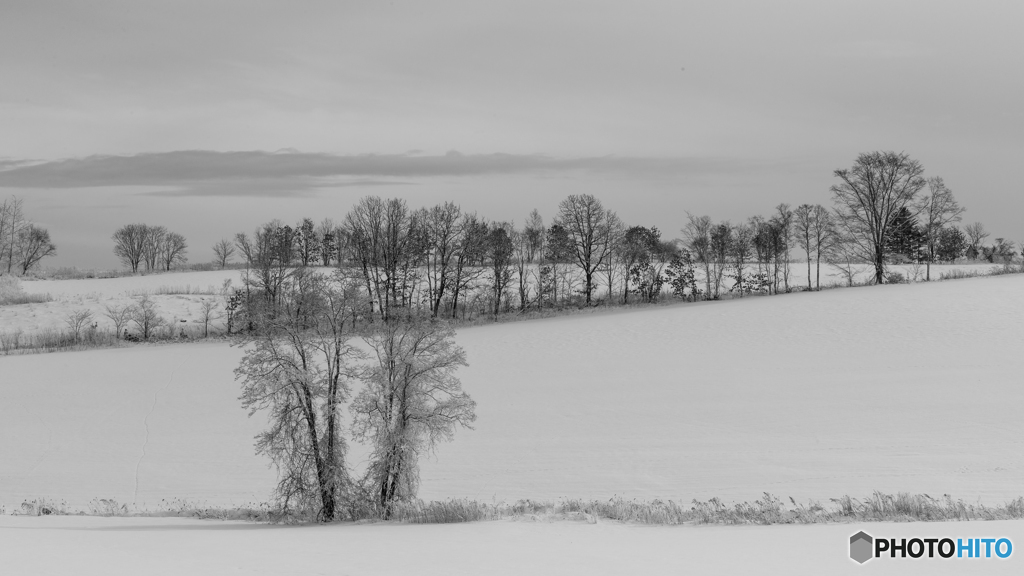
[[815, 395], [164, 546], [179, 295]]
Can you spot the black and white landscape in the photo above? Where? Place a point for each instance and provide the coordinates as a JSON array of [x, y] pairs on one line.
[[518, 288]]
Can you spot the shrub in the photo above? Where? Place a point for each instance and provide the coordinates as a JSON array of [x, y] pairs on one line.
[[11, 293], [895, 278]]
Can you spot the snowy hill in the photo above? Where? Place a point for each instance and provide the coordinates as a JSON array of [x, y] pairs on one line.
[[814, 395]]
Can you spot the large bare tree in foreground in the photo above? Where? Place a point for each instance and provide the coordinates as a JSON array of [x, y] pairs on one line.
[[412, 401], [298, 363], [869, 197]]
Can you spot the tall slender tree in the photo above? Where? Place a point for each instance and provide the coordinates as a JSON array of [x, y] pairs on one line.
[[937, 209]]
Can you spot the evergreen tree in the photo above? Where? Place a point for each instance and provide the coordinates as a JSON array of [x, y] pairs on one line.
[[905, 237]]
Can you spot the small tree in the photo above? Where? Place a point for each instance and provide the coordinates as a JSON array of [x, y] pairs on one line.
[[172, 250], [697, 234], [681, 276], [146, 316], [129, 244], [739, 254], [12, 222], [823, 232], [803, 222], [501, 251], [308, 242], [209, 310], [938, 209], [77, 320], [120, 315], [952, 244], [976, 235], [412, 401], [153, 246], [33, 244], [719, 249], [223, 250], [784, 218]]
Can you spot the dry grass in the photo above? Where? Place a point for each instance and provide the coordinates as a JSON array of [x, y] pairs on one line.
[[188, 289], [878, 507], [11, 293]]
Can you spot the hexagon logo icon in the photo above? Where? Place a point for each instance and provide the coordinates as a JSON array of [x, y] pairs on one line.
[[860, 547]]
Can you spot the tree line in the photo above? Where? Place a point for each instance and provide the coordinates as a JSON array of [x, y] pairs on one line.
[[445, 259]]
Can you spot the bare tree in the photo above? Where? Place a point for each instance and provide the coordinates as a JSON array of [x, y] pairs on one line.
[[501, 251], [803, 223], [223, 250], [586, 221], [614, 236], [784, 217], [326, 233], [130, 244], [739, 252], [308, 242], [172, 250], [470, 249], [412, 401], [146, 316], [823, 230], [12, 223], [76, 321], [869, 198], [245, 246], [534, 233], [812, 227], [976, 234], [385, 240], [209, 310], [937, 210], [521, 261], [33, 244], [443, 229], [719, 250], [120, 315], [153, 246], [843, 253], [697, 235], [298, 366]]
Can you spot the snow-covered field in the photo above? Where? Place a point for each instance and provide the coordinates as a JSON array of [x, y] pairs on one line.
[[168, 546], [179, 295], [814, 395]]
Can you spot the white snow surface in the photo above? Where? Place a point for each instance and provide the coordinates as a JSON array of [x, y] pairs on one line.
[[46, 546], [812, 395]]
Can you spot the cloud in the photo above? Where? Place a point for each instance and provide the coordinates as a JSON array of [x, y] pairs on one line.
[[202, 172]]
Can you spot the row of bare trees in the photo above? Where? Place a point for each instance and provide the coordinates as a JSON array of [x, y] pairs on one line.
[[444, 259], [22, 243], [151, 247]]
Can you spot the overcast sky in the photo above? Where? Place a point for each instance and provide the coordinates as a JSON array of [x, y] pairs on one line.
[[212, 117]]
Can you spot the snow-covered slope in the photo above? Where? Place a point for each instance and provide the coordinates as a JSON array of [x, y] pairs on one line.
[[172, 546], [813, 395]]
